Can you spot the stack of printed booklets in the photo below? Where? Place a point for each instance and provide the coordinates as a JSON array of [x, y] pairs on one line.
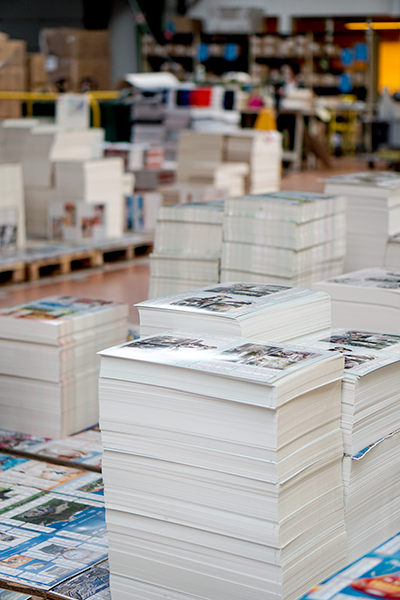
[[13, 138], [373, 215], [273, 312], [262, 151], [222, 175], [48, 365], [283, 237], [12, 208], [94, 182], [366, 299], [221, 466], [370, 425], [52, 523], [187, 247]]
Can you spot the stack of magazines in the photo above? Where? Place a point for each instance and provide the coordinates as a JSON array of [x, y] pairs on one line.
[[222, 467], [370, 425], [187, 247], [283, 237], [373, 215], [367, 299], [48, 363], [274, 312]]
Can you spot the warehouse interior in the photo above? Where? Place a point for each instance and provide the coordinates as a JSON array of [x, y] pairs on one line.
[[199, 299]]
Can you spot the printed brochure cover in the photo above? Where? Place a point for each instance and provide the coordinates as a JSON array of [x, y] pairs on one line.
[[369, 340], [375, 575], [244, 359], [55, 307], [371, 278], [50, 538], [231, 299], [378, 178], [94, 583], [14, 440], [34, 473]]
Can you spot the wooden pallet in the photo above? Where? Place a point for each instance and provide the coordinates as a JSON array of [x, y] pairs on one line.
[[12, 272], [63, 264]]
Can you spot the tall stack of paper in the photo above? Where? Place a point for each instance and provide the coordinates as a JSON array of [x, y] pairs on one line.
[[187, 247], [223, 175], [262, 150], [278, 313], [13, 138], [373, 214], [48, 365], [99, 182], [12, 209], [196, 147], [366, 299], [283, 237], [221, 466]]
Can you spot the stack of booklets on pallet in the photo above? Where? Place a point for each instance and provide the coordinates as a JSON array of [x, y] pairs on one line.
[[99, 183], [262, 151], [221, 466], [12, 208], [366, 299], [187, 247], [48, 365], [52, 523], [370, 425], [274, 312], [283, 237], [222, 175], [13, 138], [373, 214], [375, 575]]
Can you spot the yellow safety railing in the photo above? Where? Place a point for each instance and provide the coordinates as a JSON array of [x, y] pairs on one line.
[[30, 97]]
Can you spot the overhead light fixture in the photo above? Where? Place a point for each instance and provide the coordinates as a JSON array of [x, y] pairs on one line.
[[376, 25]]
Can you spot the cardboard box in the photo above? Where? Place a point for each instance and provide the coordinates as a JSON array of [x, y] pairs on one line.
[[10, 109], [17, 49], [37, 76], [77, 43], [186, 25], [78, 70], [13, 78]]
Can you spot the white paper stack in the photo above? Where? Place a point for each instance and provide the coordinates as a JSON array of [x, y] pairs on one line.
[[198, 147], [275, 312], [48, 363], [373, 215], [95, 182], [78, 145], [36, 165], [184, 193], [13, 138], [187, 247], [12, 207], [283, 237], [222, 467], [392, 253], [366, 299], [262, 150], [223, 175]]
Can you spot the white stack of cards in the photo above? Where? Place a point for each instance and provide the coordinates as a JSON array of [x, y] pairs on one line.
[[273, 312], [13, 137], [373, 215], [48, 363], [223, 175], [222, 467], [283, 237], [99, 182], [12, 208], [195, 147], [262, 151], [366, 299], [370, 422], [84, 144], [187, 248]]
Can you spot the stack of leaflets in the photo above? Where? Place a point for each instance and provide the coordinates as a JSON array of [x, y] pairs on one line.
[[50, 529], [392, 253], [12, 208], [99, 182], [75, 221], [187, 247], [275, 312], [92, 584], [36, 165], [222, 467], [222, 175], [373, 214], [262, 150], [370, 422], [283, 237], [14, 135], [48, 362], [183, 193], [82, 449], [79, 145], [366, 299], [375, 575], [194, 147]]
